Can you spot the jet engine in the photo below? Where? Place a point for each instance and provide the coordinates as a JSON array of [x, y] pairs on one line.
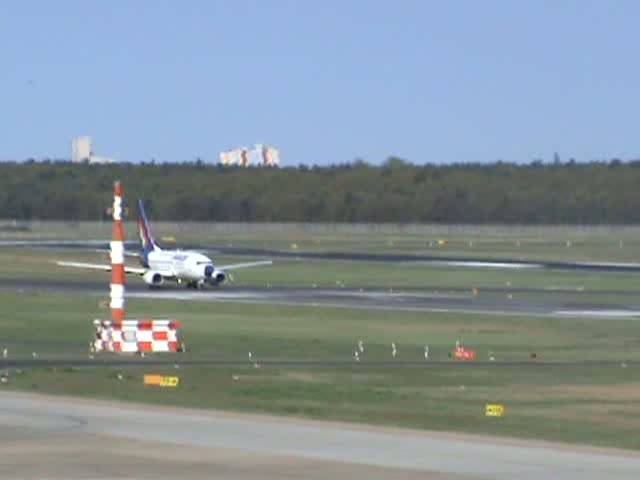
[[213, 276], [153, 279], [219, 276]]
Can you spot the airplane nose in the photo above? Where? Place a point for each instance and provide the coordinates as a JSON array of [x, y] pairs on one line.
[[208, 271]]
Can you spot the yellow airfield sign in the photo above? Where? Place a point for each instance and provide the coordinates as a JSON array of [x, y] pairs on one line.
[[161, 380], [494, 410]]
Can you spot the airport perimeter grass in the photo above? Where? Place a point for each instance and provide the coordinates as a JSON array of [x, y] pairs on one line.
[[597, 405]]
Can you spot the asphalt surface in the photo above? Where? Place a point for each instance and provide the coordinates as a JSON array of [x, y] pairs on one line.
[[524, 302], [401, 453], [458, 261]]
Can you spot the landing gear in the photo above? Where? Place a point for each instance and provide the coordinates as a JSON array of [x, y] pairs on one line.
[[200, 285]]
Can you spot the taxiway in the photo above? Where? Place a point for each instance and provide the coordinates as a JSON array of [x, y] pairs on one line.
[[496, 301], [72, 438]]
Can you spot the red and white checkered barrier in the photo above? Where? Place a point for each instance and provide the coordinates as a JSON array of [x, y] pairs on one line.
[[137, 336]]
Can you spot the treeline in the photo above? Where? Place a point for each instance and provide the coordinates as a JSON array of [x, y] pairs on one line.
[[396, 192]]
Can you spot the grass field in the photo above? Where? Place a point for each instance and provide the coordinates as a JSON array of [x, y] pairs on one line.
[[594, 405]]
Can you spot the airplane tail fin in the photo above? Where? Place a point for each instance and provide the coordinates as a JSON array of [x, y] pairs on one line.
[[146, 239]]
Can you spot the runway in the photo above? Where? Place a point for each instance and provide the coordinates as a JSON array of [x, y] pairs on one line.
[[100, 439], [496, 301], [434, 260]]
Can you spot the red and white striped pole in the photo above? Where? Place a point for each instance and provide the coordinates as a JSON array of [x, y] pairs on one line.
[[117, 256]]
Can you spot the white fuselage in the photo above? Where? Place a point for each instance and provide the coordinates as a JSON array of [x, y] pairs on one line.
[[184, 266]]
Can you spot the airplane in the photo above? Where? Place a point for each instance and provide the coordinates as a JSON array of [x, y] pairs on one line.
[[188, 267]]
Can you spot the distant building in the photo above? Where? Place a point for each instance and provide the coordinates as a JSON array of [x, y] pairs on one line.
[[259, 155], [82, 151], [236, 156], [270, 156]]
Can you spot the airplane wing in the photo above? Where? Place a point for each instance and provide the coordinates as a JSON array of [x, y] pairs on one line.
[[236, 266], [103, 267]]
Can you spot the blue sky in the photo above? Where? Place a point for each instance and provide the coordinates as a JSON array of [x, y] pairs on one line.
[[324, 81]]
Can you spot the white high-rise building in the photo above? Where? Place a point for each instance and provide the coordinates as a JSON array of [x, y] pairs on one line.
[[270, 156], [236, 156], [81, 149]]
